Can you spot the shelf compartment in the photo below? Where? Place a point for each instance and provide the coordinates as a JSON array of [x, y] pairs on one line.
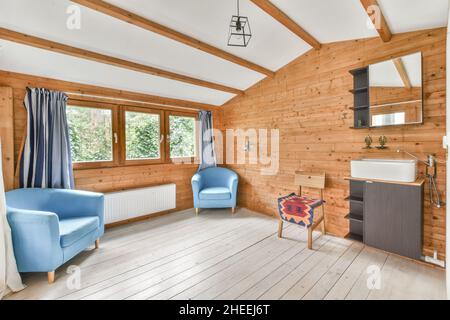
[[359, 90], [355, 199], [360, 107], [354, 217], [360, 77], [357, 189], [360, 128], [355, 237], [362, 70]]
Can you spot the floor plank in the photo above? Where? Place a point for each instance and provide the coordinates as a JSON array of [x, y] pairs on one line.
[[356, 275], [396, 282], [259, 256], [324, 285], [329, 250], [237, 288], [220, 256], [190, 264], [298, 291]]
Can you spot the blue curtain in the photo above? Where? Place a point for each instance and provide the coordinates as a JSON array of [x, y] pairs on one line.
[[207, 152], [46, 160]]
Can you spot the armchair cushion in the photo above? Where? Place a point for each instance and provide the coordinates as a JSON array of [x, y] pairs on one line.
[[74, 229], [217, 193]]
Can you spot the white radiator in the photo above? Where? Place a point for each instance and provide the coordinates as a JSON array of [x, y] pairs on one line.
[[124, 205]]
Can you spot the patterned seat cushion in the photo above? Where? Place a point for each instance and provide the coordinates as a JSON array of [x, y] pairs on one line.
[[299, 210]]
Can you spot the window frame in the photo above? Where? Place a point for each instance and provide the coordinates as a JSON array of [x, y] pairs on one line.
[[118, 112], [114, 133], [191, 160], [122, 136]]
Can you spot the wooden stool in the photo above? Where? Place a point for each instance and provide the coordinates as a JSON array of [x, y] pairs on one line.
[[309, 180]]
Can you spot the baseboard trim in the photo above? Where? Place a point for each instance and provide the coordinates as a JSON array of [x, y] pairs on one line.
[[141, 218]]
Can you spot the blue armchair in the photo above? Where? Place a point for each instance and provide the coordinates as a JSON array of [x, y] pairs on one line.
[[215, 188], [51, 226]]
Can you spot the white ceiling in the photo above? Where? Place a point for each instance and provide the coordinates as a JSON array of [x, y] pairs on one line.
[[412, 15], [59, 66], [272, 45], [329, 20], [385, 74]]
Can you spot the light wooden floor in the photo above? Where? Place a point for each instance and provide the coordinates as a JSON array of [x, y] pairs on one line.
[[217, 256]]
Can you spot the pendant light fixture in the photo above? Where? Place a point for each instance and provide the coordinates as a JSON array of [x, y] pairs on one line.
[[240, 32]]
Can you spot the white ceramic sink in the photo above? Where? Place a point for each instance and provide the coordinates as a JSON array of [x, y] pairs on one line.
[[388, 170]]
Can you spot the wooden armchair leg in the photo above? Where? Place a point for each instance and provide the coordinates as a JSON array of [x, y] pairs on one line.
[[197, 211], [233, 210], [280, 228], [97, 243], [51, 277]]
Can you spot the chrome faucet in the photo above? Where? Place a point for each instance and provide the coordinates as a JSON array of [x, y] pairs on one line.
[[431, 159], [431, 163]]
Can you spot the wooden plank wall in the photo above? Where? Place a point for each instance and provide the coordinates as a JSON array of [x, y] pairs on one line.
[[309, 102], [6, 136], [106, 179]]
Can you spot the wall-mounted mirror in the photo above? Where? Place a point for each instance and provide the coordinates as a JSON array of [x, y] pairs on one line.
[[395, 91]]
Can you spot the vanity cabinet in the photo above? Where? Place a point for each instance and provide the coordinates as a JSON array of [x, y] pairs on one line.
[[388, 216]]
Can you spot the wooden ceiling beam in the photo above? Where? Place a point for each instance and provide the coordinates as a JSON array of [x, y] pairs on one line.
[[86, 91], [375, 14], [134, 19], [399, 65], [25, 39], [285, 20]]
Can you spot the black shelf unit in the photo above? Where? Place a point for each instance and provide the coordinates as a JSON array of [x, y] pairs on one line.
[[356, 215], [361, 98]]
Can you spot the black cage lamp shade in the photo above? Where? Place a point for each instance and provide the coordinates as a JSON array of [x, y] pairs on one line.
[[240, 31]]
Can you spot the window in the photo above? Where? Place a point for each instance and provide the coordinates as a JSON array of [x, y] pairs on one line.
[[183, 136], [388, 119], [108, 135], [91, 134], [143, 135]]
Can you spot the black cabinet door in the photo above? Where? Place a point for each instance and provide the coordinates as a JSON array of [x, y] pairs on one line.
[[393, 217]]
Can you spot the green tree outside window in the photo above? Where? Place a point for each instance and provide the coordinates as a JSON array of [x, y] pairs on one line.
[[90, 131]]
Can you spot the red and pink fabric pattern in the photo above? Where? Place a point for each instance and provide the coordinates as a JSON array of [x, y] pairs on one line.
[[299, 210]]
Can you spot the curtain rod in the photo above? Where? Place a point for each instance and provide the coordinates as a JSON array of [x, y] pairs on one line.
[[131, 101]]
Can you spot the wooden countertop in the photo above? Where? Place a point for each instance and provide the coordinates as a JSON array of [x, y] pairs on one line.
[[419, 182]]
